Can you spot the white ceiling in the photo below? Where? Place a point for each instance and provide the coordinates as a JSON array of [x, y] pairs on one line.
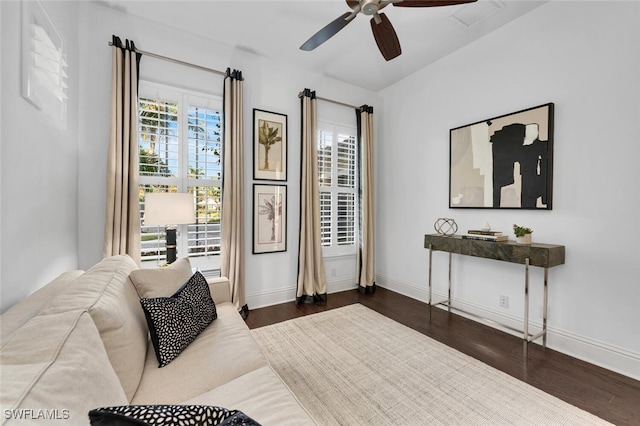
[[276, 29]]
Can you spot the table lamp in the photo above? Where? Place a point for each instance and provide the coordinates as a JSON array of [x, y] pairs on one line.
[[169, 209]]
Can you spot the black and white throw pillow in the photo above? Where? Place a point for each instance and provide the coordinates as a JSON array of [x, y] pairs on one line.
[[174, 322], [174, 415]]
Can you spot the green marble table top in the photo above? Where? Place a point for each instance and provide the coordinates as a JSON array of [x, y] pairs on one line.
[[543, 255]]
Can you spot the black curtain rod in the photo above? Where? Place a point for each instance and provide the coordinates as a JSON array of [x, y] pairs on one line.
[[177, 61], [330, 100], [337, 102]]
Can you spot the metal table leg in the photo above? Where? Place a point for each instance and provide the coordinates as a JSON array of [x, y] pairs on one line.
[[526, 307], [544, 308], [449, 294], [430, 258]]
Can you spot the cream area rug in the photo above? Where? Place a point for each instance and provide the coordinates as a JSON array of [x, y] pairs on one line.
[[354, 366]]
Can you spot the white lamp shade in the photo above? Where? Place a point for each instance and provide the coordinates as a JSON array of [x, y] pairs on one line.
[[168, 208]]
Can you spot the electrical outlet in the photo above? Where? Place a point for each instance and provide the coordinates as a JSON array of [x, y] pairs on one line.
[[504, 301], [333, 272]]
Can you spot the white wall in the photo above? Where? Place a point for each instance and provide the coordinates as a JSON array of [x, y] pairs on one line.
[[272, 86], [1, 136], [38, 165], [583, 56]]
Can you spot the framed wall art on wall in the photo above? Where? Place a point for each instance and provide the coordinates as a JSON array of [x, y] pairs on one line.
[[503, 162], [269, 145], [269, 218]]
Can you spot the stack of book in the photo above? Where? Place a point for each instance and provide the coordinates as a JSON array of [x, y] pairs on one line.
[[479, 234]]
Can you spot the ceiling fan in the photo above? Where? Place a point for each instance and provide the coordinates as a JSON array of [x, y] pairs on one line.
[[383, 32]]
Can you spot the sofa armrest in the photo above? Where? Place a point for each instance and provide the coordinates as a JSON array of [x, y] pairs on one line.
[[220, 289]]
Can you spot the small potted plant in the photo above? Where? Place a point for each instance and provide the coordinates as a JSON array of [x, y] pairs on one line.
[[523, 234]]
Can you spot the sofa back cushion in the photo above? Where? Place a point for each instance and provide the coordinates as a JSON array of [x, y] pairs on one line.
[[20, 313], [55, 367], [162, 282], [107, 293]]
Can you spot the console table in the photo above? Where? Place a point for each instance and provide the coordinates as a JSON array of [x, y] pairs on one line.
[[542, 255]]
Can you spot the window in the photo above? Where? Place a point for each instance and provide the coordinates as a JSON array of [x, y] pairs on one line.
[[180, 145], [337, 176]]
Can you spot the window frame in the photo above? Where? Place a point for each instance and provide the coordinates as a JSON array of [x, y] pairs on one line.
[[184, 98], [335, 249]]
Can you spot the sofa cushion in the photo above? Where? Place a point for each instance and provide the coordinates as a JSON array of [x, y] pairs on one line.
[[204, 415], [161, 282], [106, 291], [28, 308], [220, 289], [223, 351], [55, 365], [262, 395], [174, 322]]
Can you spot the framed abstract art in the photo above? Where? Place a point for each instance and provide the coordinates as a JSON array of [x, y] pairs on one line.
[[504, 162]]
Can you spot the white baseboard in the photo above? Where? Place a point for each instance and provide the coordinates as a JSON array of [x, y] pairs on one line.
[[288, 294], [272, 297], [613, 358], [341, 285]]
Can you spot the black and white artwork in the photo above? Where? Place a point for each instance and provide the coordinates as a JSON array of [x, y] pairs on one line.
[[269, 218], [504, 162]]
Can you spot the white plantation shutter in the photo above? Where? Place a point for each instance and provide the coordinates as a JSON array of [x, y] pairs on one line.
[[337, 172], [346, 201], [180, 146], [205, 142], [325, 218], [346, 224], [346, 161], [158, 137], [204, 175], [325, 142]]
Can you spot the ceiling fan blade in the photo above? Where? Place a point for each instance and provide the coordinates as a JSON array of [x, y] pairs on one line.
[[353, 3], [429, 3], [386, 37], [328, 31]]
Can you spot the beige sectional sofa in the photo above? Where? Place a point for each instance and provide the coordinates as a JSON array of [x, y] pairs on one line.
[[82, 342]]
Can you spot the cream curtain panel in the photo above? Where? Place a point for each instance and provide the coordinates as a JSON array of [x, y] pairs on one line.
[[232, 245], [365, 260], [122, 222], [312, 283]]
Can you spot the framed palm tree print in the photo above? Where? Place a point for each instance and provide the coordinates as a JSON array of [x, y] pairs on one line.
[[269, 218], [269, 145]]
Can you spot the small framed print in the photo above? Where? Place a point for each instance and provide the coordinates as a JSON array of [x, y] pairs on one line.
[[269, 145], [269, 218]]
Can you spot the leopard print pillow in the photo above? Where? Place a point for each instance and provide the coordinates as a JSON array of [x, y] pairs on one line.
[[174, 415], [174, 322]]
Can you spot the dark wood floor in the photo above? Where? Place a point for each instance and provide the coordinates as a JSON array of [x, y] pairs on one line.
[[608, 395]]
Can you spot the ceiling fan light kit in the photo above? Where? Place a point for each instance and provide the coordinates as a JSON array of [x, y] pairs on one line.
[[383, 32]]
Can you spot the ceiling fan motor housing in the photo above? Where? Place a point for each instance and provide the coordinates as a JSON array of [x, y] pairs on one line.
[[370, 7]]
